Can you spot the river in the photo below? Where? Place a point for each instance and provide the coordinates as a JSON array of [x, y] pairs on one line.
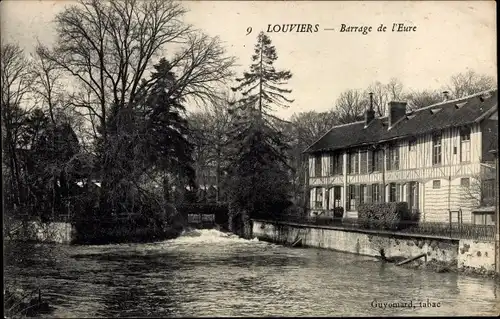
[[208, 273]]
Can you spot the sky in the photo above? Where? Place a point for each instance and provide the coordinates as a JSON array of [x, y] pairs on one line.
[[450, 37]]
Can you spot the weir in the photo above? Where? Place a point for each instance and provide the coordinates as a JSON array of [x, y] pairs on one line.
[[205, 216]]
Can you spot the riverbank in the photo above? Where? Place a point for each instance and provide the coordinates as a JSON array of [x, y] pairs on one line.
[[22, 304], [452, 267], [183, 277], [92, 233], [468, 257]]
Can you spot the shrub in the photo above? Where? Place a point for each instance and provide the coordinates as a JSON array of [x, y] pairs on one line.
[[338, 212], [294, 211], [384, 215]]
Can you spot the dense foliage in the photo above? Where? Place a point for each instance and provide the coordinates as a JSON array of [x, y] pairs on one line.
[[259, 175], [391, 216]]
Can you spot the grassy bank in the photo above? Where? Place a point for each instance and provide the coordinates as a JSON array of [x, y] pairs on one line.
[[21, 304]]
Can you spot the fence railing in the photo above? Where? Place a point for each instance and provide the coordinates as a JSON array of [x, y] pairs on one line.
[[439, 229]]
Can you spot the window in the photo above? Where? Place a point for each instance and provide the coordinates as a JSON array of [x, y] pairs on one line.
[[376, 193], [393, 158], [436, 184], [318, 203], [351, 202], [378, 156], [483, 219], [465, 182], [412, 144], [353, 163], [436, 150], [337, 191], [394, 192], [488, 192], [362, 192], [336, 164], [465, 145], [363, 162], [317, 165]]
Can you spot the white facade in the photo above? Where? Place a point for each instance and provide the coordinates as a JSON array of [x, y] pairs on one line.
[[432, 176]]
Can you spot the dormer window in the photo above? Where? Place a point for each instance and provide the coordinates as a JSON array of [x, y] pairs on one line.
[[459, 105], [435, 110]]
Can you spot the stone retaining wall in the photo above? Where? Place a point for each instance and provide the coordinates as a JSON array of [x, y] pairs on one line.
[[465, 253], [54, 232]]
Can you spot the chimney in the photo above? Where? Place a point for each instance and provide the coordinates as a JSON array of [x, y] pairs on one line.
[[397, 110], [446, 95], [369, 113]]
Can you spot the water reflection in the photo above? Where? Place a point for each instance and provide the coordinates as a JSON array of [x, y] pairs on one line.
[[210, 274]]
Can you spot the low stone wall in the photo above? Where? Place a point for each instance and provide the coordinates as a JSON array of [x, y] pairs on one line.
[[476, 254], [54, 232], [465, 253]]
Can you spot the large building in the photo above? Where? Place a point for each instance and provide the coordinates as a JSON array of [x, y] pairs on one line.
[[436, 159]]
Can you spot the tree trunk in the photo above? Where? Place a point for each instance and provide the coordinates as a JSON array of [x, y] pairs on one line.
[[166, 186], [217, 177]]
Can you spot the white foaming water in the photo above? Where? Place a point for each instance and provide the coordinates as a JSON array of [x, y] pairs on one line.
[[196, 236]]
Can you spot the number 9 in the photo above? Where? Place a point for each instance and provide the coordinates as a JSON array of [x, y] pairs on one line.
[[249, 30]]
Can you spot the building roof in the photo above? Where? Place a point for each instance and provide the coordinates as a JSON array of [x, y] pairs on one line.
[[436, 117]]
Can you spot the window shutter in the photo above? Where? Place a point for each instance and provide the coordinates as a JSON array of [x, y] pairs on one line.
[[388, 159], [363, 162], [408, 191], [416, 199], [398, 192], [368, 197], [313, 198], [356, 195], [383, 191], [341, 165], [348, 198], [380, 155], [356, 161], [370, 161]]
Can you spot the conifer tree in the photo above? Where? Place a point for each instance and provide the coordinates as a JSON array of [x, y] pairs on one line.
[[259, 177], [166, 129]]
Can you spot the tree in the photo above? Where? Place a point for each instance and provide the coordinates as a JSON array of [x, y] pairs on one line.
[[209, 131], [419, 99], [166, 130], [264, 79], [107, 48], [480, 189], [308, 127], [47, 82], [350, 106], [383, 93], [470, 82], [259, 172], [15, 83]]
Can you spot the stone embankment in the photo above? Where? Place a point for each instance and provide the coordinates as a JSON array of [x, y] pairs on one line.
[[442, 254]]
